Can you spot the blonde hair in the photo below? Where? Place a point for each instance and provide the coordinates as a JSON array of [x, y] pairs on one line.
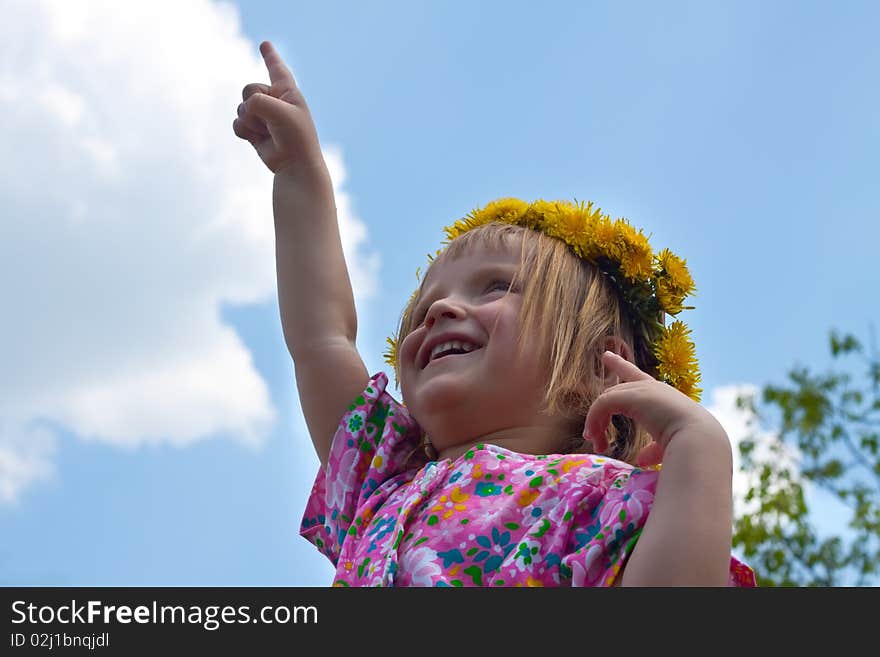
[[553, 279]]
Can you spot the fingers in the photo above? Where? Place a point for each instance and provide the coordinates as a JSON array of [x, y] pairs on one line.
[[254, 88], [278, 71], [263, 105], [273, 117], [615, 400], [268, 110], [242, 131], [619, 400], [283, 86], [623, 368], [251, 122], [599, 442]]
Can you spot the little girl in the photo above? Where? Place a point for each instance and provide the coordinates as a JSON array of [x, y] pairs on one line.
[[527, 361]]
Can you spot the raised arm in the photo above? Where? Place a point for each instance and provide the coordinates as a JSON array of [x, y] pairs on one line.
[[318, 315]]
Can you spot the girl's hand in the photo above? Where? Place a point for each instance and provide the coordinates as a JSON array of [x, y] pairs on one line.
[[276, 121], [660, 409]]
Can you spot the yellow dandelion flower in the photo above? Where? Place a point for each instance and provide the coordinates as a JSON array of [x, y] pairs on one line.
[[624, 230], [605, 239], [454, 231], [676, 348], [552, 210], [390, 354], [687, 383], [677, 357], [505, 210], [674, 282], [575, 229], [587, 239], [594, 215], [537, 214], [677, 272], [556, 217], [670, 298], [462, 226], [637, 258]]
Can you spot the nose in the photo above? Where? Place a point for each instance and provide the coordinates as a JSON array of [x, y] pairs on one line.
[[443, 308]]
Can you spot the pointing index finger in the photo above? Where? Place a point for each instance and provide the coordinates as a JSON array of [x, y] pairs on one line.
[[278, 71], [623, 368]]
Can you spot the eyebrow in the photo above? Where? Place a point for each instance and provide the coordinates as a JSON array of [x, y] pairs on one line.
[[506, 268]]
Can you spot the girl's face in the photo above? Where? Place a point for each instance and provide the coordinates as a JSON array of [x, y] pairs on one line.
[[461, 397]]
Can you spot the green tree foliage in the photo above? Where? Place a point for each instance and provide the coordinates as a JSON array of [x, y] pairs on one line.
[[827, 438]]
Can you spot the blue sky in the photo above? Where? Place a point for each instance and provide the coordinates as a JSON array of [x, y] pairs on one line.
[[150, 431]]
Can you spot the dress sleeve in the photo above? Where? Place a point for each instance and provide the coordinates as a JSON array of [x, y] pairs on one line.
[[370, 447], [741, 575], [616, 524]]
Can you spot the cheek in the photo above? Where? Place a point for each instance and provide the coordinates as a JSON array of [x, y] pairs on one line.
[[506, 323], [406, 355], [529, 357], [409, 347]]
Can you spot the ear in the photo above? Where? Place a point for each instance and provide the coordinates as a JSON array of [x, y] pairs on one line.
[[619, 347]]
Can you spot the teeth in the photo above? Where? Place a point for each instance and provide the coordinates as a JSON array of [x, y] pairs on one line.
[[452, 344]]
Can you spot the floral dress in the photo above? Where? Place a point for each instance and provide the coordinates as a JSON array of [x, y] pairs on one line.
[[384, 516]]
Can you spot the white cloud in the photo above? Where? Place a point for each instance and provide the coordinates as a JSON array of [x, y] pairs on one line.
[[25, 458], [131, 212], [739, 425]]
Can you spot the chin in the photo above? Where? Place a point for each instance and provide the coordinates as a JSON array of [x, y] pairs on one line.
[[441, 395], [439, 399]]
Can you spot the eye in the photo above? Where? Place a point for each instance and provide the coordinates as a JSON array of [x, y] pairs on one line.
[[500, 283], [422, 310]]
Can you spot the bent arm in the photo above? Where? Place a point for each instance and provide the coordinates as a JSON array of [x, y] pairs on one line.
[[687, 537], [316, 301]]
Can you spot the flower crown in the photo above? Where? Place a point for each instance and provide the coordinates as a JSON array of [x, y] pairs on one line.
[[650, 284]]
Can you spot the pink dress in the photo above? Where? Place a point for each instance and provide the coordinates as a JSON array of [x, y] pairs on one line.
[[492, 517]]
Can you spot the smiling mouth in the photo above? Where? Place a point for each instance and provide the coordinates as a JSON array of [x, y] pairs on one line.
[[451, 354]]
